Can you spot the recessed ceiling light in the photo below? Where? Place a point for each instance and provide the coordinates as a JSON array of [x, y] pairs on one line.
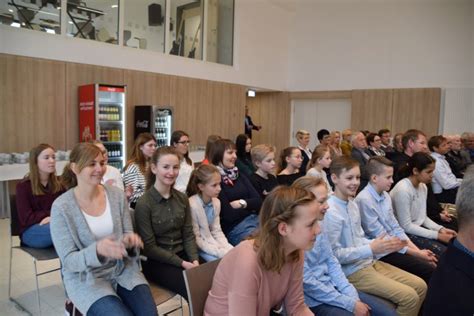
[[114, 6]]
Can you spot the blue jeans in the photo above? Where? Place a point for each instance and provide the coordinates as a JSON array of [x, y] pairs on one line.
[[379, 307], [207, 257], [243, 229], [37, 236], [135, 302]]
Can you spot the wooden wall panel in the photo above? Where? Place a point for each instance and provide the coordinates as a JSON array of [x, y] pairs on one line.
[[272, 111], [416, 108], [206, 107], [32, 96], [371, 109], [81, 74]]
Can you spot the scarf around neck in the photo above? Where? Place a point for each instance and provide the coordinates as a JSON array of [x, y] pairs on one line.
[[228, 175]]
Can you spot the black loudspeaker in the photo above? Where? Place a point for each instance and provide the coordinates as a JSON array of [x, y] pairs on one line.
[[154, 14]]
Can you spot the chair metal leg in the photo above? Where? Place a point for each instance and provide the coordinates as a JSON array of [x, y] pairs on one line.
[[10, 270], [37, 287]]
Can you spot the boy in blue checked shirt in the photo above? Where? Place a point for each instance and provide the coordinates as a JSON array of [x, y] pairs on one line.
[[377, 219]]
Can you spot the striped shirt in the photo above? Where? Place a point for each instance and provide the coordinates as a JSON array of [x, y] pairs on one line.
[[133, 177]]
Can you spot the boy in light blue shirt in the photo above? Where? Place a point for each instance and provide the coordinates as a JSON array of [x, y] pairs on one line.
[[357, 254], [326, 289], [377, 216]]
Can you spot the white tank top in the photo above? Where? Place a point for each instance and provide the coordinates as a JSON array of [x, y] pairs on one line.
[[101, 226]]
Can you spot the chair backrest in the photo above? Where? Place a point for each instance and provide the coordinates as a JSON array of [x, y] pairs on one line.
[[198, 283], [14, 221]]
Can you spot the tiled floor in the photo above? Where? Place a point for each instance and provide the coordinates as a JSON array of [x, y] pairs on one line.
[[51, 289]]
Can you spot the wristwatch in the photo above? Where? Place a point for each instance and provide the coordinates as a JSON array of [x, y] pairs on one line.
[[243, 203]]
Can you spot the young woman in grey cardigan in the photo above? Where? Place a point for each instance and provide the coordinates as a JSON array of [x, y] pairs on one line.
[[91, 230]]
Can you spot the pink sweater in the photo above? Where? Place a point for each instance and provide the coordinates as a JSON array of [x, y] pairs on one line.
[[242, 287]]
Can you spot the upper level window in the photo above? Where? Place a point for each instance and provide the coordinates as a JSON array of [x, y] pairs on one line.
[[220, 30], [93, 19], [197, 29], [36, 15], [186, 26], [144, 24]]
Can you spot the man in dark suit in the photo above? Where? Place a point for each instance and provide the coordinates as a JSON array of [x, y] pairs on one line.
[[451, 288], [413, 141], [249, 125], [361, 154]]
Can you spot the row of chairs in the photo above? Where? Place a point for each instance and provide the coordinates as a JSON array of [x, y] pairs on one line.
[[198, 280]]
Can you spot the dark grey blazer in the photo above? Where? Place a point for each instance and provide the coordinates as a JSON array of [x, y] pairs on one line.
[[87, 279]]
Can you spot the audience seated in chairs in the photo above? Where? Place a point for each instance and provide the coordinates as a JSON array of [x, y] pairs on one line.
[[326, 289], [357, 254]]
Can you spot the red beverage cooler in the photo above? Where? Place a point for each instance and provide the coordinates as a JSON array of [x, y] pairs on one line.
[[102, 117]]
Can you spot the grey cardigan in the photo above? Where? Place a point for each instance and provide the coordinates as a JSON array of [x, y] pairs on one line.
[[85, 277]]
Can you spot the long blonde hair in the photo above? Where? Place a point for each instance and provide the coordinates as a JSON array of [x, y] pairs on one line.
[[53, 186], [82, 155], [279, 206]]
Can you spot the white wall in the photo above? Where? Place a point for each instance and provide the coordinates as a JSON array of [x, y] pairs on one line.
[[260, 50], [344, 44]]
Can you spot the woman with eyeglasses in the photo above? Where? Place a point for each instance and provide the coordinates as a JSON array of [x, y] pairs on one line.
[[136, 168], [180, 141]]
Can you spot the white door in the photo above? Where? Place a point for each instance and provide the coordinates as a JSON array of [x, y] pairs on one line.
[[313, 115]]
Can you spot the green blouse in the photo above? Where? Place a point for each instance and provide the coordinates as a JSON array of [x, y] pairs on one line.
[[165, 226]]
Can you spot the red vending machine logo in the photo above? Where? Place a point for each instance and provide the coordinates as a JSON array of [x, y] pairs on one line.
[[87, 113]]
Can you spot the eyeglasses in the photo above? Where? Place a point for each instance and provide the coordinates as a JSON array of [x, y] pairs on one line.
[[185, 142]]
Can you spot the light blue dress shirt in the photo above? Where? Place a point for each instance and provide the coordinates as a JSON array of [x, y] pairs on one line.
[[323, 279], [377, 215], [342, 226]]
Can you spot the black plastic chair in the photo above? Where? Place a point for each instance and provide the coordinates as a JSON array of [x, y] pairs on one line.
[[34, 253]]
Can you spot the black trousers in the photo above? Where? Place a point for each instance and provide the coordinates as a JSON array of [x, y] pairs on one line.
[[166, 275], [410, 264], [447, 196]]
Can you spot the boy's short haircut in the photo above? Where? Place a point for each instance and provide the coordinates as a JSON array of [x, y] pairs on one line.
[[436, 141], [259, 152], [383, 131], [411, 134], [339, 164], [376, 165], [323, 132]]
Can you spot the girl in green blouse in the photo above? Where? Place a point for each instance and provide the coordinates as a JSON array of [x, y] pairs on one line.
[[164, 223]]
